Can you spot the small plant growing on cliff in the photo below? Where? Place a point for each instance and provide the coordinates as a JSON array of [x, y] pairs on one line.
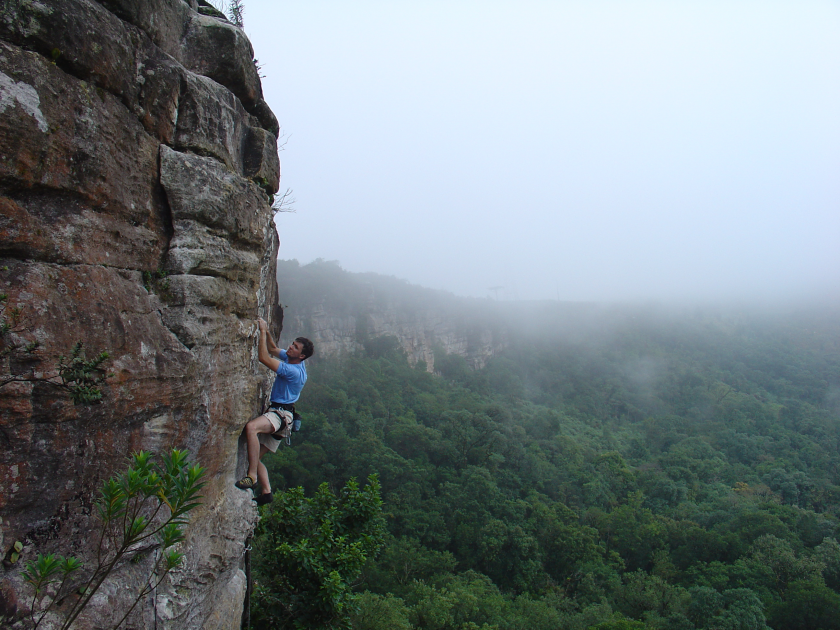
[[44, 574], [143, 508], [284, 202], [82, 377], [236, 12], [156, 280]]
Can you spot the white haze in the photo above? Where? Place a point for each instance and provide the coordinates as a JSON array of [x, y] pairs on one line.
[[590, 150]]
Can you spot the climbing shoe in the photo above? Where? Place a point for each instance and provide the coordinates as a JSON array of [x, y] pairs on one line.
[[246, 483], [264, 499]]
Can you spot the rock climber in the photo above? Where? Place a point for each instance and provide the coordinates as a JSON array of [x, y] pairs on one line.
[[263, 433]]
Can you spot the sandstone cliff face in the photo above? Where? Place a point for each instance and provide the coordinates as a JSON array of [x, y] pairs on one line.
[[133, 138]]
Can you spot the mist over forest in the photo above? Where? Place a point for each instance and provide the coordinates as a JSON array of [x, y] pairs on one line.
[[610, 466], [632, 420], [592, 150], [593, 383]]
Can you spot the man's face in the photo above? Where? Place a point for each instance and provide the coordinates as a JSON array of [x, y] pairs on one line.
[[295, 350]]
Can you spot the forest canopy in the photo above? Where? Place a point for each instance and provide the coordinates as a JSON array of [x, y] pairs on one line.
[[611, 467]]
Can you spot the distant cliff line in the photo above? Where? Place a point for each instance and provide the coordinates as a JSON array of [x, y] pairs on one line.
[[345, 312]]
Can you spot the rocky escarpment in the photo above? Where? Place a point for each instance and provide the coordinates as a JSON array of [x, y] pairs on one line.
[[137, 163], [344, 312], [420, 333]]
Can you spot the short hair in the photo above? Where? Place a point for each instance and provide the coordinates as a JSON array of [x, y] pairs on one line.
[[306, 347]]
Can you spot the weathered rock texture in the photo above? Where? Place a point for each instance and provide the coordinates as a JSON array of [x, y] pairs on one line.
[[343, 313], [134, 139]]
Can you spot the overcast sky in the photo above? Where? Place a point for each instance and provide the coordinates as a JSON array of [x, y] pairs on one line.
[[581, 150]]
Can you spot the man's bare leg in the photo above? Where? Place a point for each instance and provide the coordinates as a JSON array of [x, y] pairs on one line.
[[262, 473], [258, 425]]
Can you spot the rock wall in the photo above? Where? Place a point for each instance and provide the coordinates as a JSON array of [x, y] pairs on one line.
[[134, 140]]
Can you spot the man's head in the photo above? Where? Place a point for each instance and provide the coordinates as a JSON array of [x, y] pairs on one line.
[[301, 348]]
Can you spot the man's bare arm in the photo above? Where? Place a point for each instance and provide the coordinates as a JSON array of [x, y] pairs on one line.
[[273, 348], [262, 350]]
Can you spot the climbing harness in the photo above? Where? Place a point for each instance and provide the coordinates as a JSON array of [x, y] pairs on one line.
[[290, 425]]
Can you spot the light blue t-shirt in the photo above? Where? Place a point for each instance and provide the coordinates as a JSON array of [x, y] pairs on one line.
[[291, 377]]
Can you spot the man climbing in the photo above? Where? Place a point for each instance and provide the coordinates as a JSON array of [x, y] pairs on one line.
[[263, 433]]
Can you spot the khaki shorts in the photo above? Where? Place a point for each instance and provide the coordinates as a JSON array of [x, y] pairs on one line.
[[279, 419]]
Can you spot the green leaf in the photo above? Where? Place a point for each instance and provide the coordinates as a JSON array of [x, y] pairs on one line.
[[136, 527], [69, 565], [40, 572], [170, 535], [173, 559]]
